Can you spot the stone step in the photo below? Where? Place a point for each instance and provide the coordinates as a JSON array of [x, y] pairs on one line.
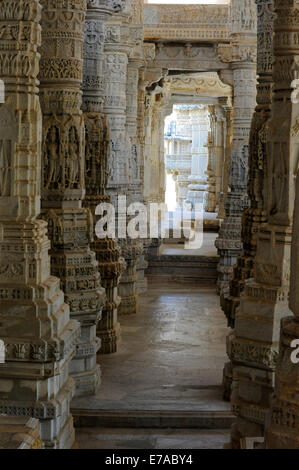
[[183, 267], [151, 438], [153, 419]]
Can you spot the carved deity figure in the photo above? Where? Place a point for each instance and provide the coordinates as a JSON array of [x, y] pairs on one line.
[[279, 180], [73, 158], [52, 158], [112, 166], [5, 167]]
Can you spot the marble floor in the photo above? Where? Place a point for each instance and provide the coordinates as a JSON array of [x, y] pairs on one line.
[[165, 376], [171, 354], [106, 438], [207, 249]]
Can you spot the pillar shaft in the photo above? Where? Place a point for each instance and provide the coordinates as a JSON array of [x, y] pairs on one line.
[[63, 186], [121, 109], [97, 154], [243, 34], [264, 301], [258, 154], [34, 320], [284, 424], [216, 147]]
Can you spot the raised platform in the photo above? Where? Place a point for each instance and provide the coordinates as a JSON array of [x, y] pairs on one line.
[[179, 264], [183, 268], [19, 433], [147, 438], [153, 419], [167, 372]]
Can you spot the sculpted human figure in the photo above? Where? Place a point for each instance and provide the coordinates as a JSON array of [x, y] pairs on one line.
[[5, 167], [73, 158], [52, 164], [112, 167], [279, 183]]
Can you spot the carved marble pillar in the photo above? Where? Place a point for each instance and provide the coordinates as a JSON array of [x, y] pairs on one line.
[[216, 148], [229, 245], [255, 214], [117, 49], [228, 131], [70, 225], [283, 431], [253, 348], [142, 263], [258, 155], [97, 154], [34, 320], [200, 156], [210, 194]]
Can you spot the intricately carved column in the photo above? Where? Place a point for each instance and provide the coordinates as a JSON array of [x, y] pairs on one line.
[[97, 154], [258, 154], [228, 131], [210, 195], [70, 225], [34, 320], [253, 348], [118, 46], [200, 156], [229, 245], [216, 147], [142, 263], [283, 432]]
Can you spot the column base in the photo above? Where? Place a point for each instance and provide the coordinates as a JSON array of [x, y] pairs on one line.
[[109, 340], [87, 383], [227, 381], [83, 367], [128, 305], [282, 433]]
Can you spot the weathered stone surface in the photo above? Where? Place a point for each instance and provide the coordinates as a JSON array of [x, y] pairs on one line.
[[62, 180], [19, 433], [35, 322], [264, 302], [97, 155], [110, 73], [243, 34]]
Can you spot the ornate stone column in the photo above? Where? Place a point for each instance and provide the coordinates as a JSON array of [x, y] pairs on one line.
[[210, 194], [253, 348], [133, 125], [97, 154], [229, 245], [216, 148], [142, 263], [118, 46], [34, 320], [228, 131], [70, 225], [258, 155], [283, 430], [200, 155]]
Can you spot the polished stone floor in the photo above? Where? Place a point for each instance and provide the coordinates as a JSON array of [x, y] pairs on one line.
[[207, 248], [171, 354], [168, 367], [106, 438]]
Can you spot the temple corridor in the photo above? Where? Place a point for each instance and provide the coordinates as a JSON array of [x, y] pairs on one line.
[[112, 331], [166, 373]]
